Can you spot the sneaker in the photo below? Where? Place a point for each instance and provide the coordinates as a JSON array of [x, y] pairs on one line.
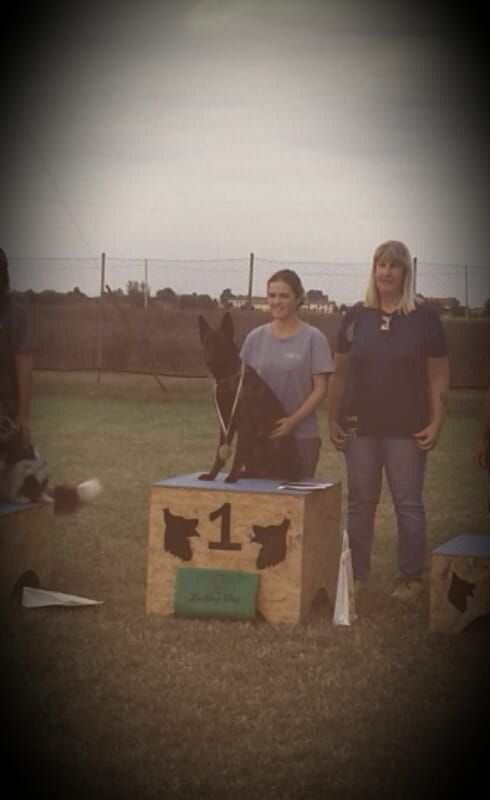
[[407, 591]]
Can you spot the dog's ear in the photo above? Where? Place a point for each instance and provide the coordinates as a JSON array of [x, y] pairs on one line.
[[227, 325], [204, 328]]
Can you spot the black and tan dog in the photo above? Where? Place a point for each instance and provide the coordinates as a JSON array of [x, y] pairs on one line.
[[247, 407]]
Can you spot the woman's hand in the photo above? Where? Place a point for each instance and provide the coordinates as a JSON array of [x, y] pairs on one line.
[[428, 437], [338, 436], [283, 427]]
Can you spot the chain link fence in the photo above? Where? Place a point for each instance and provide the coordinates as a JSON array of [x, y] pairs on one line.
[[343, 282]]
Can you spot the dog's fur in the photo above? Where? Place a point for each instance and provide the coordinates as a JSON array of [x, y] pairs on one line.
[[24, 478], [257, 411]]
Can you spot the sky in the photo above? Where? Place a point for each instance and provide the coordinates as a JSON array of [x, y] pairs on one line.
[[197, 132]]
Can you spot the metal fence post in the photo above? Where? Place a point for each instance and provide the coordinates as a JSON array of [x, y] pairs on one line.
[[250, 280], [100, 319], [146, 284]]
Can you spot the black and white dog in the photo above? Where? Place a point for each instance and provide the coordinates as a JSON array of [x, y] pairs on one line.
[[24, 476]]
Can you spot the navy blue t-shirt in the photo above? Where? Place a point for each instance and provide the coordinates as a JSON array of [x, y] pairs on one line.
[[386, 389]]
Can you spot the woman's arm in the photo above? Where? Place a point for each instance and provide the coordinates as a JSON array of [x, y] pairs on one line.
[[23, 369], [286, 425], [336, 391], [438, 388], [481, 443]]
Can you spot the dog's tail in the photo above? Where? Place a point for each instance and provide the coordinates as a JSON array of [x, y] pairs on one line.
[[68, 499]]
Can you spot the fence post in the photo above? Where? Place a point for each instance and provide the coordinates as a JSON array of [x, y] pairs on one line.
[[250, 280], [100, 319], [415, 274], [146, 284], [466, 293]]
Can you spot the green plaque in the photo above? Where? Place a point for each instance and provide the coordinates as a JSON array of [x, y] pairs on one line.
[[203, 592]]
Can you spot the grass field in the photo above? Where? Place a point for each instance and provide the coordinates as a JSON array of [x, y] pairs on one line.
[[108, 702]]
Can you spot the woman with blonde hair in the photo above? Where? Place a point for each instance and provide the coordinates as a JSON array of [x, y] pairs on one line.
[[394, 253], [386, 406]]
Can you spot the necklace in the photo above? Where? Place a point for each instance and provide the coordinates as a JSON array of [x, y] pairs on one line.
[[224, 451], [386, 319], [385, 322]]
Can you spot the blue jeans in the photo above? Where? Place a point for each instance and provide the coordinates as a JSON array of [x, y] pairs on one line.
[[404, 465], [308, 454]]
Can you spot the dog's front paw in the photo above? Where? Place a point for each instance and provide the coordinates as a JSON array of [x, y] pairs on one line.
[[206, 476], [231, 478]]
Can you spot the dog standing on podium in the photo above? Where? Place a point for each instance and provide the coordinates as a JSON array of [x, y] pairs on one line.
[[246, 406]]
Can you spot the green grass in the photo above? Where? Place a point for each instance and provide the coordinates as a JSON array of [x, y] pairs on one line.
[[111, 702]]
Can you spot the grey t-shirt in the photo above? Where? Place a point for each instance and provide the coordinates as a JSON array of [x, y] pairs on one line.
[[287, 365]]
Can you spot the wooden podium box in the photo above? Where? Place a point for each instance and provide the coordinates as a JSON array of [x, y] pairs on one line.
[[459, 583], [291, 539], [25, 546]]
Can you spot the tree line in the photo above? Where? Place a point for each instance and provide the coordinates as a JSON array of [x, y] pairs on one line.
[[137, 294]]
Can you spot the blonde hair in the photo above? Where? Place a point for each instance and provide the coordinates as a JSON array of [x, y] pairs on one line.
[[393, 252]]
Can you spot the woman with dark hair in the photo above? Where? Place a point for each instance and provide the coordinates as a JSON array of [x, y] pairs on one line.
[[387, 403], [294, 358]]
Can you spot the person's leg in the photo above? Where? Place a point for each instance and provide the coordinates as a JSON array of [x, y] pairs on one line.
[[308, 454], [405, 467], [487, 462], [364, 470]]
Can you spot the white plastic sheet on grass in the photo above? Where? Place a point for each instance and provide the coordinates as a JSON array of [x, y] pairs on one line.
[[37, 598]]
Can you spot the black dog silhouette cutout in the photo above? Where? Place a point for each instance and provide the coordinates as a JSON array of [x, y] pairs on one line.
[[272, 539], [459, 591], [178, 531]]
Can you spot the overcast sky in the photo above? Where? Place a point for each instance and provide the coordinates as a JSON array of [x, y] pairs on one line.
[[300, 130]]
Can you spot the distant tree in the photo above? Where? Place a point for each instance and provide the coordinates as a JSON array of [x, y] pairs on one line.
[[226, 297], [187, 301], [136, 292], [29, 295], [444, 305], [76, 295], [194, 301], [50, 296], [204, 301], [314, 295], [168, 296]]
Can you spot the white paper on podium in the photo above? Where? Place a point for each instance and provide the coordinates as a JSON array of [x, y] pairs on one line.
[[304, 486], [37, 598]]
